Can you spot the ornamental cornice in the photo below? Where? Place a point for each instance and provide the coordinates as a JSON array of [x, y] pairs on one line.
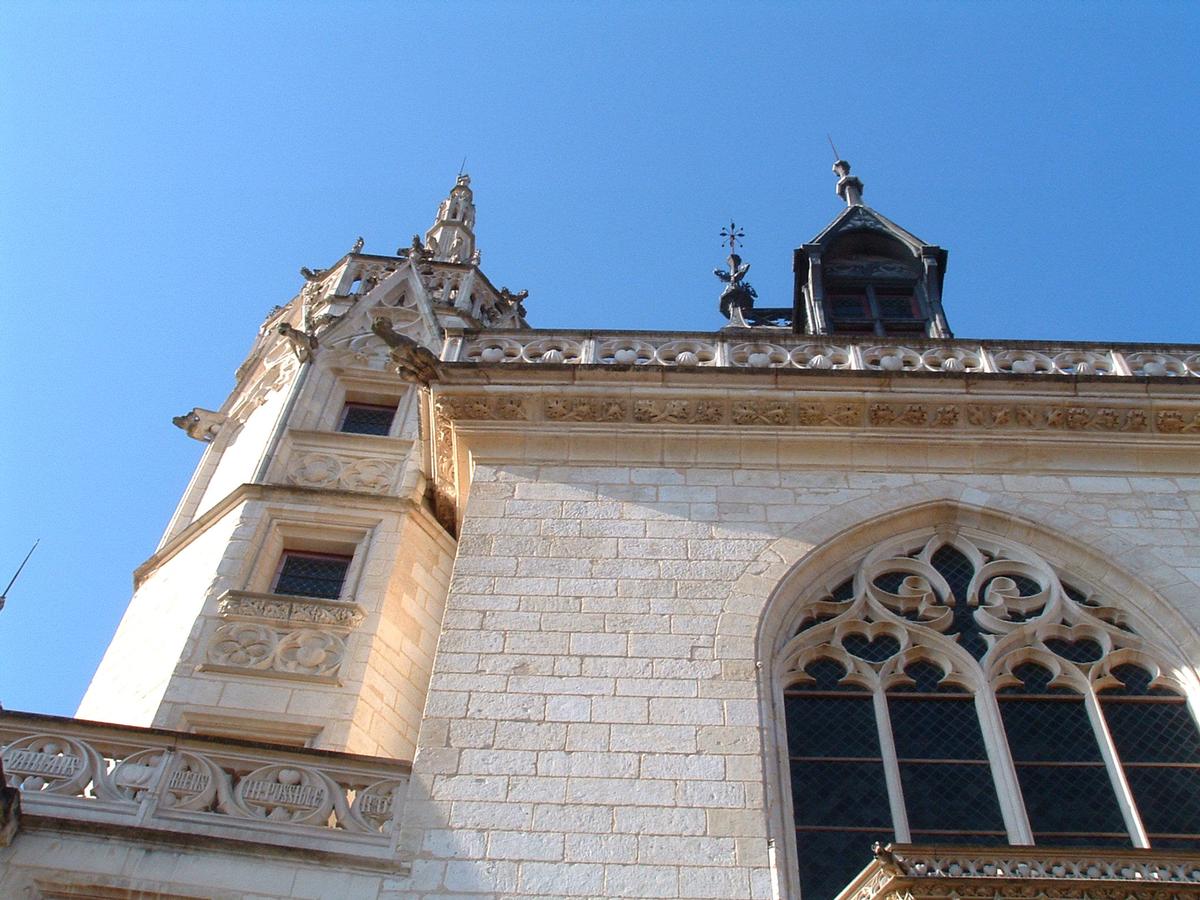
[[799, 411]]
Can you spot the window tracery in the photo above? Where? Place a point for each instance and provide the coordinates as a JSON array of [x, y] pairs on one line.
[[956, 689]]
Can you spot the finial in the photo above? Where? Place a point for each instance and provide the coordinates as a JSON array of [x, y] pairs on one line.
[[731, 236], [849, 187], [738, 294]]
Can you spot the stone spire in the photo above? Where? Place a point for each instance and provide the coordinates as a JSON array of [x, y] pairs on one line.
[[849, 187], [452, 238]]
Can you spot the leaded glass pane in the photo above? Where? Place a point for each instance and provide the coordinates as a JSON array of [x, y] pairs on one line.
[[312, 575], [1070, 798], [839, 726], [1161, 731], [840, 793], [829, 858], [362, 418], [957, 570], [1168, 797], [1048, 730], [935, 728], [951, 796]]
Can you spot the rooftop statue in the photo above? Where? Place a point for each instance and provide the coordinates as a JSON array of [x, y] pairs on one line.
[[738, 294]]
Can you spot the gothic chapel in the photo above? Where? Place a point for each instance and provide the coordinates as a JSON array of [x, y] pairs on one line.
[[826, 603]]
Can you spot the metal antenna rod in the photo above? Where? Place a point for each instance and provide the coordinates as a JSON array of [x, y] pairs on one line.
[[18, 572], [831, 147]]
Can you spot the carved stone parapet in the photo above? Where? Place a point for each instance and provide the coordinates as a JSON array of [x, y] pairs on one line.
[[280, 636], [776, 348], [185, 788], [320, 469], [1026, 873]]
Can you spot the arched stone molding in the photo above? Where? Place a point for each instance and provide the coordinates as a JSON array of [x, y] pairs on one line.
[[817, 555]]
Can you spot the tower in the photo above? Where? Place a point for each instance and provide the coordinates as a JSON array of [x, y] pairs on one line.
[[311, 487]]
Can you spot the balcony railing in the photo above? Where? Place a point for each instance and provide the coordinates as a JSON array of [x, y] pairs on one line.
[[921, 872], [759, 350], [190, 786]]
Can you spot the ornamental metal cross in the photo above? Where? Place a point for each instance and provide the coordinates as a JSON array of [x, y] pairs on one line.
[[732, 235]]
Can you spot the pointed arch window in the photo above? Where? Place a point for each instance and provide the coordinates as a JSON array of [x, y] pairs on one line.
[[955, 689]]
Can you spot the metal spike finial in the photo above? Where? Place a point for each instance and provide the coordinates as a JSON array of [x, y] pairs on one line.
[[17, 574], [732, 235], [836, 156], [463, 167]]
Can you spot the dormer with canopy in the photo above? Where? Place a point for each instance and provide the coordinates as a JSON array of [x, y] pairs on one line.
[[864, 274]]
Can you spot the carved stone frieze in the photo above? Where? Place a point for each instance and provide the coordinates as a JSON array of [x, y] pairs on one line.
[[705, 412], [1174, 421], [493, 406], [760, 412], [836, 413], [289, 610], [322, 469], [587, 409]]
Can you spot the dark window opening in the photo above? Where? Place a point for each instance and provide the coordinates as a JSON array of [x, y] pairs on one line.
[[311, 574], [365, 418]]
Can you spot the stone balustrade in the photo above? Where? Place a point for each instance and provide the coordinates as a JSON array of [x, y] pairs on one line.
[[188, 787], [920, 872], [755, 349]]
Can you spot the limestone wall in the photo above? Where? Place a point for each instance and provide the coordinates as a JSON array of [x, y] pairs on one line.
[[597, 723]]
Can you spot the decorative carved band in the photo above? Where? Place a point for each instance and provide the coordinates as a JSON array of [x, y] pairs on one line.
[[806, 413], [1026, 873], [291, 610]]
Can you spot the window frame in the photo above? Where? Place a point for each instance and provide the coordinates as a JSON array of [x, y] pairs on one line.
[[1149, 648]]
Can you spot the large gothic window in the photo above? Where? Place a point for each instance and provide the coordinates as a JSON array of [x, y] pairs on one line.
[[956, 689]]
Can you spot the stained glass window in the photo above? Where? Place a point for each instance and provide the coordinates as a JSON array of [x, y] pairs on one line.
[[893, 716]]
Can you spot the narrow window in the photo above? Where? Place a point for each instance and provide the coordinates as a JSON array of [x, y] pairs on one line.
[[1159, 746], [1065, 784], [839, 792], [366, 418], [949, 791], [311, 574]]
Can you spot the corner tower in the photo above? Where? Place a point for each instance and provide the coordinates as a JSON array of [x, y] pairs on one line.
[[297, 593], [864, 274]]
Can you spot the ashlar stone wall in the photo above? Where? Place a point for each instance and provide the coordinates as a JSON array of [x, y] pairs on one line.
[[598, 723]]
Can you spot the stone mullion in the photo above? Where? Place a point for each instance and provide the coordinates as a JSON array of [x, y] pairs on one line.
[[891, 766], [1112, 762], [1004, 770]]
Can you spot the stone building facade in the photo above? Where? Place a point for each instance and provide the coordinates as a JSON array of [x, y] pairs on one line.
[[453, 607]]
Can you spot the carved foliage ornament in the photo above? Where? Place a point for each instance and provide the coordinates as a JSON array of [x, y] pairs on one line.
[[766, 411]]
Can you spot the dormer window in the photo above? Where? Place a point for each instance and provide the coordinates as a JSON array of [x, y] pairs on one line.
[[880, 309]]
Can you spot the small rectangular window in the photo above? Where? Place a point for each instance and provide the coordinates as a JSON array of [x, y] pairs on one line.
[[366, 418], [896, 304], [311, 574]]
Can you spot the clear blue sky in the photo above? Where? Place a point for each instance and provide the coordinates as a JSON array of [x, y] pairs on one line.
[[166, 168]]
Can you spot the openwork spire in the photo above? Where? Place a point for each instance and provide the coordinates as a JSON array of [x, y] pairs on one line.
[[452, 237]]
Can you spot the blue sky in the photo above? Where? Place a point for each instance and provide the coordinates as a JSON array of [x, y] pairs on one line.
[[166, 168]]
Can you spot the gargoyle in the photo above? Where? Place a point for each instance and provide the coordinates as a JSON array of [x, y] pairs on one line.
[[303, 343], [509, 300], [200, 424], [416, 252], [312, 274], [412, 361]]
